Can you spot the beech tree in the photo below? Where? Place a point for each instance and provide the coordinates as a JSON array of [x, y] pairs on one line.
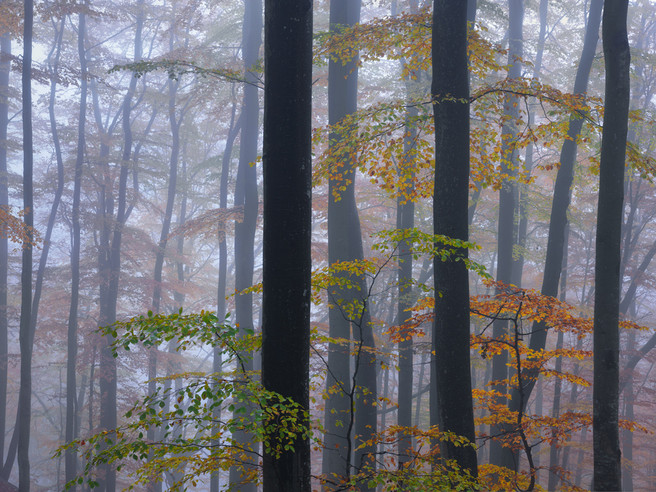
[[617, 62], [246, 197], [450, 92], [72, 412], [26, 334], [287, 226], [5, 66]]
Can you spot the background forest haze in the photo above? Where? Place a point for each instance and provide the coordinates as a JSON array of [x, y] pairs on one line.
[[331, 245]]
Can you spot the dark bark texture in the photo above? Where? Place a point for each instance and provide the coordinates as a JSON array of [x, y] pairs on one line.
[[287, 225], [451, 329], [562, 196], [605, 394], [508, 210]]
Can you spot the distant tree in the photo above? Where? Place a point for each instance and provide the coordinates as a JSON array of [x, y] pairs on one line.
[[112, 223], [617, 60], [342, 100], [451, 332], [26, 335], [5, 66], [71, 360], [508, 206], [562, 189], [287, 227], [246, 197]]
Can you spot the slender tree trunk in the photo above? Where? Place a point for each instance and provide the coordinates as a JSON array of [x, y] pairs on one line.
[[405, 220], [174, 123], [420, 385], [523, 203], [223, 263], [5, 66], [607, 466], [53, 65], [554, 450], [562, 195], [405, 210], [110, 264], [344, 244], [287, 226], [507, 233], [71, 362], [451, 330], [246, 196], [26, 335]]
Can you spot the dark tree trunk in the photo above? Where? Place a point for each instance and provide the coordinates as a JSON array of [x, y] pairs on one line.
[[5, 66], [607, 466], [508, 208], [451, 330], [405, 220], [561, 197], [71, 362], [344, 244], [26, 335], [287, 225], [246, 196]]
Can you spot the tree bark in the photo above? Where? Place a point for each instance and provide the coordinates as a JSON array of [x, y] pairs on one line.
[[223, 263], [607, 466], [451, 360], [508, 208], [26, 335], [246, 196], [5, 66], [345, 244], [561, 197], [110, 258], [71, 361], [287, 226]]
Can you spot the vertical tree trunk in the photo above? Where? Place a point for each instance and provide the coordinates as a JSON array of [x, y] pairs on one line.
[[287, 226], [246, 196], [223, 262], [110, 264], [71, 361], [523, 203], [451, 330], [5, 66], [26, 335], [405, 220], [562, 195], [344, 244], [607, 466], [174, 124], [554, 450], [507, 235]]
